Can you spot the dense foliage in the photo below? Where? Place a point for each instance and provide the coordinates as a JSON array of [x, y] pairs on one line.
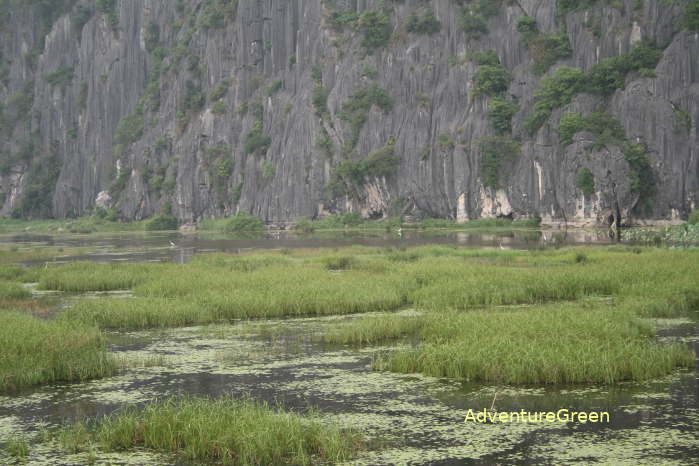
[[244, 222], [500, 113], [423, 23], [585, 181], [491, 80], [496, 151], [356, 108]]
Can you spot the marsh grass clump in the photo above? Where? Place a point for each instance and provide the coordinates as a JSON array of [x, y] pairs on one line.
[[339, 262], [450, 283], [90, 276], [223, 431], [284, 291], [17, 447], [37, 351], [373, 329], [581, 258], [137, 313], [570, 343], [242, 263], [12, 290], [11, 272]]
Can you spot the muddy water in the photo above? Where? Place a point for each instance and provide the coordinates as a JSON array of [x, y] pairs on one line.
[[142, 247], [419, 419]]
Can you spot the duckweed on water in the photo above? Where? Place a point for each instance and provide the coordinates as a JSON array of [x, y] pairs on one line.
[[225, 430], [35, 351]]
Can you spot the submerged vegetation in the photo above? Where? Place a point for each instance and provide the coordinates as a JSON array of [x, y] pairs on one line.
[[224, 431]]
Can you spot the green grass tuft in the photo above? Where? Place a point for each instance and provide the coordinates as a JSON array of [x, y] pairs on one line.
[[221, 431], [570, 343], [37, 351]]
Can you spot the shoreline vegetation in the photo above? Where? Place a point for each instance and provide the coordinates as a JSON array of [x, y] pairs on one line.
[[245, 223], [247, 226]]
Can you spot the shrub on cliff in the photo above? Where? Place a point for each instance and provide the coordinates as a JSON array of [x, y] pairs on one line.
[[585, 181], [376, 28], [491, 80], [692, 16], [426, 23]]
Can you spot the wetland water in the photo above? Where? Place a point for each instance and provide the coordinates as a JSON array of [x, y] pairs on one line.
[[143, 247], [419, 420]]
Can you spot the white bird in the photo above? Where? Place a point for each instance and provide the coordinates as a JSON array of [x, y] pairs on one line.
[[172, 244], [500, 244]]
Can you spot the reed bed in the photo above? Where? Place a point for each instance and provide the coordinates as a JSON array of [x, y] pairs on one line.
[[304, 288], [37, 351], [137, 313], [221, 287], [569, 343], [12, 290], [90, 276], [370, 330], [11, 272], [221, 431]]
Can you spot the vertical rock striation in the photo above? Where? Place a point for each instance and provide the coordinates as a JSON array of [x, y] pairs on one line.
[[208, 105]]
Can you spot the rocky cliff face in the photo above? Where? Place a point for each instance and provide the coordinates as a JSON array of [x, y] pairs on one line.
[[299, 108]]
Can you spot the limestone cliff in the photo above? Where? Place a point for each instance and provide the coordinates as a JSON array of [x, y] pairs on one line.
[[300, 108]]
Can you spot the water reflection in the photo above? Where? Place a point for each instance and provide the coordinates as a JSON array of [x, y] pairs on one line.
[[178, 247]]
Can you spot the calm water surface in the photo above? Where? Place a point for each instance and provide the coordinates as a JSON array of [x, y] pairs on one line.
[[141, 247]]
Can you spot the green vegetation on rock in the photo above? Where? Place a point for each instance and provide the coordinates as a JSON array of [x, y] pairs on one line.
[[496, 152], [691, 15], [349, 177], [423, 22], [491, 80], [500, 113], [555, 91], [376, 29], [356, 108], [545, 49], [585, 181]]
